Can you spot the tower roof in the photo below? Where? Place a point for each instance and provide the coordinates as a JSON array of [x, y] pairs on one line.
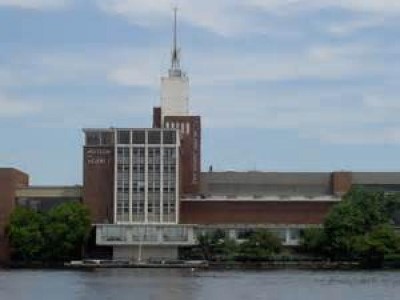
[[175, 69]]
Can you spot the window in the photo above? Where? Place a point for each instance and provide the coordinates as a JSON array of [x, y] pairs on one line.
[[93, 139], [280, 233], [138, 137], [169, 137], [294, 234], [154, 137], [123, 137], [174, 234], [107, 138], [242, 234], [114, 233]]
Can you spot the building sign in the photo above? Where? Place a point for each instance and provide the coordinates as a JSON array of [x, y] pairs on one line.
[[98, 156]]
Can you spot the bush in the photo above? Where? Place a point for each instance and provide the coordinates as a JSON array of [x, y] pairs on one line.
[[215, 246], [376, 244], [261, 245], [312, 241]]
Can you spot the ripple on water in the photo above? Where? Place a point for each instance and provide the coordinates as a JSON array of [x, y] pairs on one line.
[[178, 284]]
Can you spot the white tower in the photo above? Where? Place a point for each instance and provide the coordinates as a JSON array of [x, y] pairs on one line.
[[175, 87]]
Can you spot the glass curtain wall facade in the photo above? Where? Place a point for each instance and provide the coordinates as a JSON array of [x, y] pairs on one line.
[[146, 181]]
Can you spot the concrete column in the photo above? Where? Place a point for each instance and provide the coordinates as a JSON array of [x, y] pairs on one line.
[[190, 233], [287, 235], [146, 177], [130, 176], [128, 235]]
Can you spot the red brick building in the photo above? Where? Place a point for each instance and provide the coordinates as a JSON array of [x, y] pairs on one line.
[[190, 150], [10, 181]]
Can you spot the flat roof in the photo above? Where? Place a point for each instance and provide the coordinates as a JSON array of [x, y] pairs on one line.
[[74, 191], [111, 129], [266, 198]]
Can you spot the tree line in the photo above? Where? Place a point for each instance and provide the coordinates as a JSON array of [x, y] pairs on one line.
[[54, 236]]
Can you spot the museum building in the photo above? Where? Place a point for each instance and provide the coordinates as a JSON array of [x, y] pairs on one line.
[[148, 197]]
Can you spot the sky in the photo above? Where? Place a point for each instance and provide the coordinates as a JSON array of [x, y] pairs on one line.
[[281, 85]]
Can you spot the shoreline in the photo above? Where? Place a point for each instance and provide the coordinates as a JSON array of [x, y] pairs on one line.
[[204, 266], [213, 266]]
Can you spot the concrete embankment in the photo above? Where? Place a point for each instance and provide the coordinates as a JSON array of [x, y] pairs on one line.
[[270, 265]]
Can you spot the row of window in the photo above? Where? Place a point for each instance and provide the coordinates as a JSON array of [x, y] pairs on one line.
[[245, 233], [153, 137], [123, 170], [184, 127], [99, 138], [123, 158], [126, 137], [124, 191], [140, 210]]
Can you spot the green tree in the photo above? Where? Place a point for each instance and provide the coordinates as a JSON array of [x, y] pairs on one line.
[[358, 228], [372, 205], [205, 245], [260, 245], [67, 229], [226, 249], [25, 234], [376, 244], [342, 225], [57, 235], [209, 243], [359, 213], [312, 241]]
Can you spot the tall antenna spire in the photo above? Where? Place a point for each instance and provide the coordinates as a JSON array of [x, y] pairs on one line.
[[175, 57]]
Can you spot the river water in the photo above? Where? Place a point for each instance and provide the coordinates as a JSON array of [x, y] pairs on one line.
[[170, 284]]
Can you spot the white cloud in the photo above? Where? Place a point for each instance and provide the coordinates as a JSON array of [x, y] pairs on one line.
[[382, 101], [373, 6], [137, 67], [217, 79], [35, 4], [352, 26], [308, 114], [55, 68], [223, 16], [363, 137], [320, 62], [293, 6], [133, 77], [10, 107], [229, 17]]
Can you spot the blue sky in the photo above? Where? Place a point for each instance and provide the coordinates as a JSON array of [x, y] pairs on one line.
[[281, 85]]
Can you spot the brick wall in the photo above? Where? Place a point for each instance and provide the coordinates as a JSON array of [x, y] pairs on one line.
[[190, 151], [10, 181], [341, 183], [253, 212], [156, 117], [98, 183]]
